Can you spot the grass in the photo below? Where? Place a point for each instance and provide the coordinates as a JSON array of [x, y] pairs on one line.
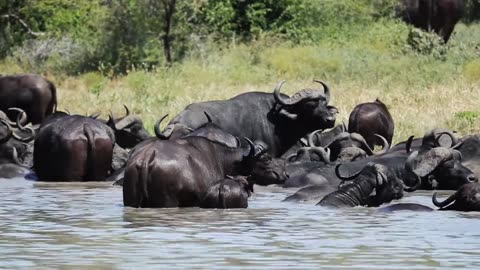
[[422, 91]]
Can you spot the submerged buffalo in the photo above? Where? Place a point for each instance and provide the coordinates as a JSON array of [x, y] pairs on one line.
[[358, 192], [32, 93], [276, 119], [466, 198], [231, 192]]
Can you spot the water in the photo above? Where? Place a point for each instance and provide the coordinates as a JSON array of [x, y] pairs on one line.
[[85, 226]]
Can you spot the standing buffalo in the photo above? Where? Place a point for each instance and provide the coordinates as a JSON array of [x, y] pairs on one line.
[[369, 119], [177, 173], [276, 119], [231, 192], [437, 15], [73, 148], [34, 94]]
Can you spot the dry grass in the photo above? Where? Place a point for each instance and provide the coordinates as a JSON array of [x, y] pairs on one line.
[[414, 111]]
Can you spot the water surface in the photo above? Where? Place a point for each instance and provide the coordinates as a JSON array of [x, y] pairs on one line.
[[85, 226]]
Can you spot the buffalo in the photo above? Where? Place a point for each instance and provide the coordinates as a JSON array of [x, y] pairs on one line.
[[73, 148], [466, 198], [231, 192], [32, 93], [369, 119], [177, 173], [276, 119], [441, 16], [129, 129], [358, 192]]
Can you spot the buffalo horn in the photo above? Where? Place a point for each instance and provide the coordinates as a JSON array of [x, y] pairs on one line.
[[452, 138], [359, 138], [22, 128], [326, 90], [251, 152], [209, 119], [311, 143], [348, 177], [156, 128], [448, 201], [408, 145], [385, 147], [431, 160], [21, 112], [276, 94], [127, 111]]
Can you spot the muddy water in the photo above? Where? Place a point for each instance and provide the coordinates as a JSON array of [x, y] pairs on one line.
[[85, 226]]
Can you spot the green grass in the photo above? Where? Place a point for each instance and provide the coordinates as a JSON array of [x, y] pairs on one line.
[[422, 91]]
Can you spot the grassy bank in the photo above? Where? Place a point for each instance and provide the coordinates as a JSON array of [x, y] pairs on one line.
[[437, 88]]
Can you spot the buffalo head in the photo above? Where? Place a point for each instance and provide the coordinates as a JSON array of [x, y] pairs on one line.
[[440, 168], [350, 146], [466, 198], [309, 106], [129, 130]]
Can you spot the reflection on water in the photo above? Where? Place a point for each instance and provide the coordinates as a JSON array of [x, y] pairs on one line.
[[85, 226]]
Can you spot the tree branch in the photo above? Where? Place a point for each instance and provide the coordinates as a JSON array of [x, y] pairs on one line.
[[24, 24]]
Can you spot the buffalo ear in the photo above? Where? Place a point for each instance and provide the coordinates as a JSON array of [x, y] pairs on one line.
[[430, 161]]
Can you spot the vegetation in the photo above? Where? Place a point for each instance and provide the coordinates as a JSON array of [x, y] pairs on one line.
[[102, 54]]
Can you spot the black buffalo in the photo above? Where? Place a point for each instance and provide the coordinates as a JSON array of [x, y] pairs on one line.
[[231, 192], [177, 173], [470, 150], [129, 129], [373, 177], [466, 198], [437, 15], [34, 94], [11, 165], [276, 119], [370, 118], [73, 148]]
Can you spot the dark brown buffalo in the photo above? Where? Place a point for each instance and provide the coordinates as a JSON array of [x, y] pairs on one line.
[[34, 94], [177, 173], [73, 148], [441, 16], [368, 119]]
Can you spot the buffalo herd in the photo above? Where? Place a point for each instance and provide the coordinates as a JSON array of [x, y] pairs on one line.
[[212, 153]]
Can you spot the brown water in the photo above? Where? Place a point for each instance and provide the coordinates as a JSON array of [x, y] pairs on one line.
[[85, 226]]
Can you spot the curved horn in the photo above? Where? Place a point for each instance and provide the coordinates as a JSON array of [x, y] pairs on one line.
[[450, 134], [9, 131], [276, 94], [20, 112], [346, 178], [68, 112], [386, 145], [290, 158], [448, 201], [431, 160], [228, 176], [344, 127], [326, 90], [408, 145], [15, 158], [209, 119], [111, 122], [127, 121], [156, 128], [415, 186], [127, 111], [251, 153], [95, 115], [359, 138], [310, 137], [22, 128], [409, 166]]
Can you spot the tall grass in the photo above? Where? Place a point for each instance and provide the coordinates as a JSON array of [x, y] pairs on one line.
[[422, 91]]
